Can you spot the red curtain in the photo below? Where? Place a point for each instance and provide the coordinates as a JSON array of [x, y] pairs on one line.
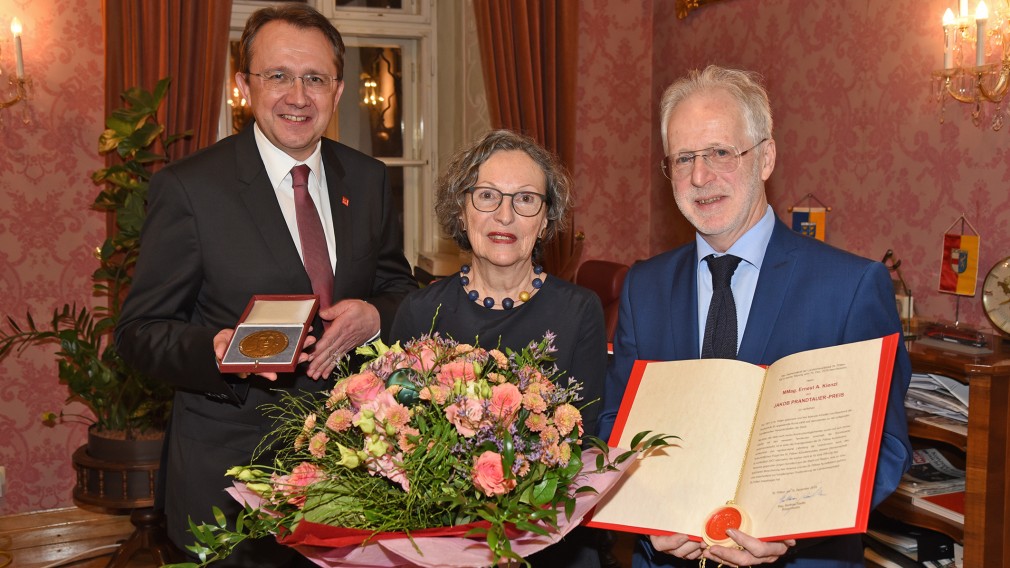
[[529, 54], [186, 40]]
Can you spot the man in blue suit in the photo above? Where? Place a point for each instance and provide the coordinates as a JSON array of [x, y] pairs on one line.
[[790, 293]]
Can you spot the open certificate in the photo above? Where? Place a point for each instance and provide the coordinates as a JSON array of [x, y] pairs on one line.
[[792, 448]]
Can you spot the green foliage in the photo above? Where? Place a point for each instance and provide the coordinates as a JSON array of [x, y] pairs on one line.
[[120, 397], [328, 469]]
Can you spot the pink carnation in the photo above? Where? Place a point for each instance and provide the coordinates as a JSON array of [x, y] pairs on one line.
[[436, 393], [566, 418], [533, 402], [301, 477], [550, 436], [536, 422], [403, 438], [505, 402], [387, 411], [363, 387], [389, 467], [466, 416], [499, 358], [489, 477]]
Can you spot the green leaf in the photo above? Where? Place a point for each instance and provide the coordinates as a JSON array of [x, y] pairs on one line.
[[219, 517], [544, 491]]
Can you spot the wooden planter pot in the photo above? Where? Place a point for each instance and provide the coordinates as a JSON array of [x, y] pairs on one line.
[[116, 474]]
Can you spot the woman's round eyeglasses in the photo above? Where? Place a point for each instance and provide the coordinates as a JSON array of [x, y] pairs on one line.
[[488, 199]]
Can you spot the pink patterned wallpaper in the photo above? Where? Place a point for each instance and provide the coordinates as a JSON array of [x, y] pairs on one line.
[[855, 123], [47, 232]]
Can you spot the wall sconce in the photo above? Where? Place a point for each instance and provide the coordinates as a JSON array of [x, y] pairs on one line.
[[972, 80], [20, 84], [240, 112], [370, 92]]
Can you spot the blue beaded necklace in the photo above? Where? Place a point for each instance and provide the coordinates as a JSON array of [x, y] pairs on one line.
[[507, 303]]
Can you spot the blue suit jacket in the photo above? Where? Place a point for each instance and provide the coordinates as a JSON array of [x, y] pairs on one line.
[[809, 295]]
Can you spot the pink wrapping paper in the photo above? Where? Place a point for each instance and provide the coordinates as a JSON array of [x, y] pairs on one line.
[[441, 547]]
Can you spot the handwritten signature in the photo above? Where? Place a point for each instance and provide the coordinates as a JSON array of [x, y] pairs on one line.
[[801, 495]]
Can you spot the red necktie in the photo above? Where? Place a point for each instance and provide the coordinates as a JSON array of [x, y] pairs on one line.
[[315, 255]]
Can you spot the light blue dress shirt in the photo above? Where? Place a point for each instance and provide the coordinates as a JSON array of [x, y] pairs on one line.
[[751, 248]]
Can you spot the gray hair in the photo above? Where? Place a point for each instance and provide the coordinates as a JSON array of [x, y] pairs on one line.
[[461, 175], [744, 86]]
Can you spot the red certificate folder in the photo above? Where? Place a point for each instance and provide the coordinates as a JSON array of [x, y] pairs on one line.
[[793, 447], [270, 334]]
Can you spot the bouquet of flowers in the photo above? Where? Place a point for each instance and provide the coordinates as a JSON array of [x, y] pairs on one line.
[[435, 439]]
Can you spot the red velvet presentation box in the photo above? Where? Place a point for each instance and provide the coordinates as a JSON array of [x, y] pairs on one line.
[[270, 334]]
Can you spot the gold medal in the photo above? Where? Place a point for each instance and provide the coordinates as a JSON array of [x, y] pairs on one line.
[[265, 343]]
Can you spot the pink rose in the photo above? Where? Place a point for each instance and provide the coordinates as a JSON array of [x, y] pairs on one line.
[[295, 484], [449, 372], [363, 387], [489, 477], [422, 358], [505, 402], [466, 416]]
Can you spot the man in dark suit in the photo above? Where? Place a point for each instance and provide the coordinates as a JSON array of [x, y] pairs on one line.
[[223, 225], [790, 293]]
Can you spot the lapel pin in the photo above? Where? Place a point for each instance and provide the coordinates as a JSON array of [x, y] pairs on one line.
[[345, 201]]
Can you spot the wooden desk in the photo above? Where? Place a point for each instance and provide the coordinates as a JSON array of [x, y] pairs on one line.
[[987, 484]]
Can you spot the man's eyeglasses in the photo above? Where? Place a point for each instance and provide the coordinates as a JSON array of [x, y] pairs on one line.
[[488, 199], [282, 81], [719, 158]]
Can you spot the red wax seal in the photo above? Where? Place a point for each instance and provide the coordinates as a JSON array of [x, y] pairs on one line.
[[721, 520]]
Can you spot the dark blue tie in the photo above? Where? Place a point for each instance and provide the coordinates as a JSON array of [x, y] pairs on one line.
[[720, 327]]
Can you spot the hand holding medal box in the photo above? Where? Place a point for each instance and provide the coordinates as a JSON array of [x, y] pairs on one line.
[[270, 334]]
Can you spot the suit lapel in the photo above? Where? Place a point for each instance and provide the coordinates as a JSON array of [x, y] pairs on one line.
[[684, 308], [777, 273], [258, 195], [343, 226]]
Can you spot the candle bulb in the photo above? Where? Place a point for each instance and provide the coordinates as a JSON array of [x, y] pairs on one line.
[[948, 39], [981, 15], [963, 9], [16, 30]]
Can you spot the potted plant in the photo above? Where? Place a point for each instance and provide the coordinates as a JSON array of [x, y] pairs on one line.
[[126, 405]]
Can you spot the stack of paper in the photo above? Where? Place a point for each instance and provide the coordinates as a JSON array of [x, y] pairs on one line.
[[934, 484], [938, 400]]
